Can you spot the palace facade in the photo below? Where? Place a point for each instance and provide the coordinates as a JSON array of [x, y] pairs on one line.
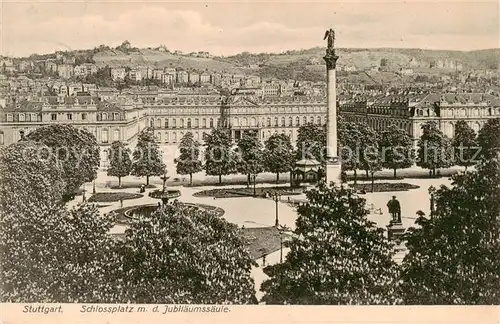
[[171, 117], [410, 112]]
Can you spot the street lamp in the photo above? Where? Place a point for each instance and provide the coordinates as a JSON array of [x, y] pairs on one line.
[[254, 176], [281, 230], [432, 191], [83, 193], [277, 198]]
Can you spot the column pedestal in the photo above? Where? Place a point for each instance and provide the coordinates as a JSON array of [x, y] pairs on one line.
[[395, 230], [334, 171]]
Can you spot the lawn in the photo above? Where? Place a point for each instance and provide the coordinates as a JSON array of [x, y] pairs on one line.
[[262, 240], [113, 196]]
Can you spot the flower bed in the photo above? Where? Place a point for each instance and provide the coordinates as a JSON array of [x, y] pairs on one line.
[[113, 196], [384, 187], [125, 216], [246, 192]]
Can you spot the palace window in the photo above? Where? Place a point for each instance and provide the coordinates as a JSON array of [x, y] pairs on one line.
[[104, 136], [84, 116], [297, 121], [304, 120], [34, 117], [53, 116], [204, 123], [9, 117], [166, 122], [283, 122], [268, 122], [116, 135], [319, 120], [69, 116], [174, 123], [196, 123], [211, 123], [104, 116], [21, 117], [182, 122], [189, 123], [276, 121]]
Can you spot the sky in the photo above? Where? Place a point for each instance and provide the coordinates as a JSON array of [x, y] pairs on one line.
[[226, 28]]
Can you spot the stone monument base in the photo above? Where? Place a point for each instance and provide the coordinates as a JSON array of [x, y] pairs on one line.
[[395, 230], [334, 172]]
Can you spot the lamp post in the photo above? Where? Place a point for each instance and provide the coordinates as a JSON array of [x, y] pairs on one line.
[[281, 246], [254, 176], [93, 187], [84, 199], [277, 198], [432, 191], [281, 230]]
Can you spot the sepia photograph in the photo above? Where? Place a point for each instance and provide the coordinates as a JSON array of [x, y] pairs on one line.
[[191, 157]]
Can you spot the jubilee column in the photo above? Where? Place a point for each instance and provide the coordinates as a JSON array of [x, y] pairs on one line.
[[333, 165]]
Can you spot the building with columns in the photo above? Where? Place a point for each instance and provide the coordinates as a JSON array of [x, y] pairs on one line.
[[173, 117], [122, 117], [107, 121], [410, 111]]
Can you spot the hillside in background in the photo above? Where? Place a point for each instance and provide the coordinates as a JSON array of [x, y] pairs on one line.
[[366, 58], [363, 64], [115, 58]]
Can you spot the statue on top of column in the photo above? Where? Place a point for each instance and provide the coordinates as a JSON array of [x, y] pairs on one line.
[[330, 35]]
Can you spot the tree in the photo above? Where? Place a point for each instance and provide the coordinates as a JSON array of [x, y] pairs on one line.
[[336, 255], [464, 144], [50, 254], [148, 161], [278, 154], [28, 178], [350, 136], [219, 159], [489, 138], [311, 142], [120, 164], [433, 149], [453, 257], [189, 160], [76, 149], [397, 149], [250, 156], [371, 159], [184, 255]]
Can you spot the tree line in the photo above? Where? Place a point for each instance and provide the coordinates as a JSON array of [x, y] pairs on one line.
[[360, 148]]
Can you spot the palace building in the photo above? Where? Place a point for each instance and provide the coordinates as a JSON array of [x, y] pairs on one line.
[[410, 112], [123, 117]]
